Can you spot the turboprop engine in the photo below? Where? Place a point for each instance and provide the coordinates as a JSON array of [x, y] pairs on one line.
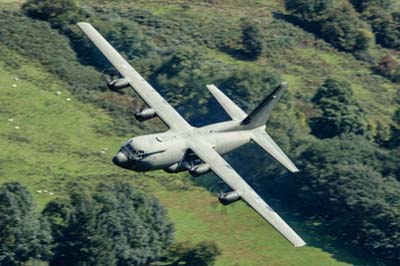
[[229, 197], [145, 114], [117, 84], [199, 170]]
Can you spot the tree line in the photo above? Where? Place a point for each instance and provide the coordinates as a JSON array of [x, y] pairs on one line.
[[112, 225], [354, 26]]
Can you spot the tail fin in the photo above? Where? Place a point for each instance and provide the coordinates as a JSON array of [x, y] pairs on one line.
[[259, 116], [229, 106]]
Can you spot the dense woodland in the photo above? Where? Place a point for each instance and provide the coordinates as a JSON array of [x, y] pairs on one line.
[[112, 225], [350, 175]]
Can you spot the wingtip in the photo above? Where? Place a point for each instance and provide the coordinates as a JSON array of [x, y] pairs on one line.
[[82, 24], [295, 170], [211, 87], [300, 245]]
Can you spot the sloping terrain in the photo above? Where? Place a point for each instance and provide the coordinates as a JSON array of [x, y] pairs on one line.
[[49, 139]]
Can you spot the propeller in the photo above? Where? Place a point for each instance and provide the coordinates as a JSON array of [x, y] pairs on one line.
[[137, 107], [108, 76]]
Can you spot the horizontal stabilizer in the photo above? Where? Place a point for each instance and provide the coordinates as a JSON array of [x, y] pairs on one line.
[[229, 106], [269, 145]]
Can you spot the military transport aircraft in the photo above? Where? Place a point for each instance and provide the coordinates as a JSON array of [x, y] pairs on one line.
[[197, 150]]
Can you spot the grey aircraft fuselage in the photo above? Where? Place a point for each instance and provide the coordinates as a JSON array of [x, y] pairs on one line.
[[168, 150]]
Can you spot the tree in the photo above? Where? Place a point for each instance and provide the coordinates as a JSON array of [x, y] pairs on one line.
[[335, 21], [340, 112], [182, 79], [394, 141], [362, 5], [24, 235], [385, 25], [114, 225], [345, 185], [310, 10], [345, 31], [49, 9], [251, 39]]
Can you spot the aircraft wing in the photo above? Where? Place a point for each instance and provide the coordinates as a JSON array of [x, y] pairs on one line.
[[222, 169], [151, 97]]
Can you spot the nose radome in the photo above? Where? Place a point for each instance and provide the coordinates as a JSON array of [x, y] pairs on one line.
[[120, 159]]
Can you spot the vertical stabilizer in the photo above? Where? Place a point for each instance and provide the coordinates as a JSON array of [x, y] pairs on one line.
[[259, 116]]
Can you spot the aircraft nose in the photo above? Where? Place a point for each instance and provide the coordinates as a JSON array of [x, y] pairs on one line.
[[120, 159]]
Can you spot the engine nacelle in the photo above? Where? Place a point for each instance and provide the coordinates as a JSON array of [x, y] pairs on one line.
[[118, 84], [228, 198], [175, 168], [199, 170], [145, 114]]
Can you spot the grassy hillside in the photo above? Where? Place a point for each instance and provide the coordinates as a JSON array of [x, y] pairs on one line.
[[48, 140]]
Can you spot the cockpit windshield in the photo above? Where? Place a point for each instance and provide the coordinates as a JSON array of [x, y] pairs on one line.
[[131, 152]]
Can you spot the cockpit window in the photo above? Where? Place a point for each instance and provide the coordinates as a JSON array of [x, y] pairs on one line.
[[138, 154], [133, 154]]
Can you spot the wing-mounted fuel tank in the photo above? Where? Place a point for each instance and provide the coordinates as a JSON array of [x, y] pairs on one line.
[[199, 170], [118, 84], [145, 114], [229, 197]]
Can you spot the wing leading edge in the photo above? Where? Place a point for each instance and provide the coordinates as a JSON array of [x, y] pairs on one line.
[[222, 169], [152, 98]]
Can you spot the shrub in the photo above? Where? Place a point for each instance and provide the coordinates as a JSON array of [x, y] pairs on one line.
[[389, 67], [340, 113], [251, 39]]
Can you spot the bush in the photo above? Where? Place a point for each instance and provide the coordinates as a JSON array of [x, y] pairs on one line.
[[389, 67], [362, 5], [340, 113], [202, 254], [251, 39]]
